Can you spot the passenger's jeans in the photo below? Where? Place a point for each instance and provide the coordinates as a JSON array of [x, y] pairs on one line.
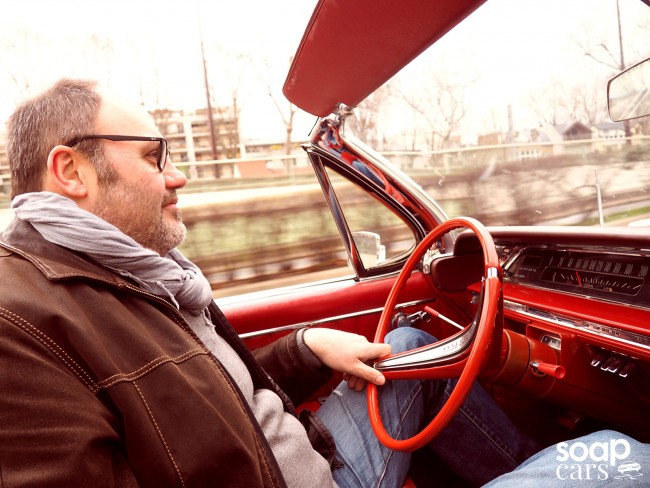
[[605, 458], [479, 444]]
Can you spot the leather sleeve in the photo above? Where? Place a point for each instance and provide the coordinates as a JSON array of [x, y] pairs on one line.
[[283, 361], [54, 431]]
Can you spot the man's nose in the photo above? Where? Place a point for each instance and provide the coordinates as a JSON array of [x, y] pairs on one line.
[[174, 178]]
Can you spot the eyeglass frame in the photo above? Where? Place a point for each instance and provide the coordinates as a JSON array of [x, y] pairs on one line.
[[163, 145]]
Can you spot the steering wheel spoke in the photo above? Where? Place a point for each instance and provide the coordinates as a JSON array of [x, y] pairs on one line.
[[441, 353]]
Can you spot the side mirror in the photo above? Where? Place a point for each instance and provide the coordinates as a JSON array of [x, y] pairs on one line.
[[628, 93], [371, 251]]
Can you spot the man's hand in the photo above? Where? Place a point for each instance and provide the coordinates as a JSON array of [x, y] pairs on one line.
[[347, 353]]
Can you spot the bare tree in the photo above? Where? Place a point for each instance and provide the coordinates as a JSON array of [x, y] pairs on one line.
[[559, 104], [549, 104], [440, 106], [228, 126], [364, 123], [493, 121], [587, 104], [226, 114], [605, 53], [287, 112]]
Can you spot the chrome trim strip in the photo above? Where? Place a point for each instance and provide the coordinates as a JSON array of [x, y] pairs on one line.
[[584, 294], [436, 353], [586, 326], [336, 318]]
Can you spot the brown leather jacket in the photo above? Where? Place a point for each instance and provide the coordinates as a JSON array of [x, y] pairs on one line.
[[103, 384]]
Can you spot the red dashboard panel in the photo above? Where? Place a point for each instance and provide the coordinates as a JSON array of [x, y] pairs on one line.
[[605, 377], [614, 319], [585, 294]]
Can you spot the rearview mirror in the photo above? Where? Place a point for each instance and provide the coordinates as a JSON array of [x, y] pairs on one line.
[[628, 93]]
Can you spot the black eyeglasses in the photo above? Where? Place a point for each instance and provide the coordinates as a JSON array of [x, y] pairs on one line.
[[162, 154]]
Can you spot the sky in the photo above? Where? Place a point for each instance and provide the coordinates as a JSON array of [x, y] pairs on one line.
[[150, 50], [510, 51]]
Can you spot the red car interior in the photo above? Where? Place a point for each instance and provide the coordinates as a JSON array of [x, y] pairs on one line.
[[570, 349]]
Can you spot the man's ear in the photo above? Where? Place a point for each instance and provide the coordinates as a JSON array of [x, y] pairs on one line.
[[67, 173]]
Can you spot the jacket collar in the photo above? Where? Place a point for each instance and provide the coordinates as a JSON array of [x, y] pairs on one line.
[[54, 261]]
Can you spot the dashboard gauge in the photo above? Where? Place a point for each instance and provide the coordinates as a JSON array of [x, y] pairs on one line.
[[619, 277], [595, 281]]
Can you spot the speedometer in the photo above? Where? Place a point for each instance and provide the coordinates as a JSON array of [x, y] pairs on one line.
[[616, 276], [595, 281]]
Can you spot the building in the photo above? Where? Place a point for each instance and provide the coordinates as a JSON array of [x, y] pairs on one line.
[[611, 135], [190, 139]]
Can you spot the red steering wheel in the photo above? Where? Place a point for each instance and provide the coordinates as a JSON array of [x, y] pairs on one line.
[[460, 356]]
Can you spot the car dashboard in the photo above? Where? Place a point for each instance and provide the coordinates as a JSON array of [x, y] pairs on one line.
[[617, 277], [584, 295]]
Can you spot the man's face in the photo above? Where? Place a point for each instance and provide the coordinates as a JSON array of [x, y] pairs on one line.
[[140, 200], [141, 215]]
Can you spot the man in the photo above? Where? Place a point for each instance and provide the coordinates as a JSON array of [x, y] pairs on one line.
[[119, 370]]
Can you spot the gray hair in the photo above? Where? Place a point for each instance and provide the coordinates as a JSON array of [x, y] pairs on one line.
[[65, 111]]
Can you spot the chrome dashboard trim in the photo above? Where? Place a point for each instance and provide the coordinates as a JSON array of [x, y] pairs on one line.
[[303, 325], [586, 326], [517, 250], [585, 295]]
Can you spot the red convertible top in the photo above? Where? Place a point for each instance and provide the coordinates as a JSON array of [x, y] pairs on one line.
[[352, 47]]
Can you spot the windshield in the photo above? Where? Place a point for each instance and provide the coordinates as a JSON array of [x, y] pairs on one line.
[[505, 118]]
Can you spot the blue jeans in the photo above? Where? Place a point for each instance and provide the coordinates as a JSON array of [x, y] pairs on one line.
[[605, 458], [479, 444]]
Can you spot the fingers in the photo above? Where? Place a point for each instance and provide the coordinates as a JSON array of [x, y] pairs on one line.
[[356, 383], [377, 350], [347, 353], [363, 374]]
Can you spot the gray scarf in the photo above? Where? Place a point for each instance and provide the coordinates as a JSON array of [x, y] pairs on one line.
[[60, 221]]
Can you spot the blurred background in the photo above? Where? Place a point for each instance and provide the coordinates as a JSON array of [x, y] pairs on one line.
[[505, 119]]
